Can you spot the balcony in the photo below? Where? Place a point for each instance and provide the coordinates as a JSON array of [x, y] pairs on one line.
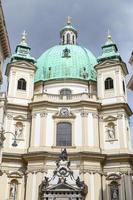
[[61, 98]]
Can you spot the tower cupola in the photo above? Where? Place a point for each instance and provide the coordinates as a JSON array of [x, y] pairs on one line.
[[68, 34], [22, 51], [109, 50]]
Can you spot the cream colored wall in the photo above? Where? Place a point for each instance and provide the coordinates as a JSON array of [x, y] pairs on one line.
[[12, 117], [122, 143], [20, 96], [116, 94], [85, 128]]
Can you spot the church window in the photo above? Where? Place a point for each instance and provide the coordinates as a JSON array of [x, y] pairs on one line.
[[73, 39], [64, 134], [68, 38], [109, 84], [123, 86], [21, 84], [65, 92], [114, 190], [13, 190]]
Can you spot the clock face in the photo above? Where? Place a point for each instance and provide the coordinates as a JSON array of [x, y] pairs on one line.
[[64, 112]]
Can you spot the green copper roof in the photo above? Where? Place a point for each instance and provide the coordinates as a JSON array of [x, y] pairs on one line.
[[65, 62], [109, 51], [22, 51]]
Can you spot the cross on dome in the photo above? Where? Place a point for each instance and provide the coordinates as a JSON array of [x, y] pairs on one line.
[[69, 20], [109, 36], [24, 39]]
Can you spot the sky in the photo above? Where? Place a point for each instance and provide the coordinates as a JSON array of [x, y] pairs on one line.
[[43, 19]]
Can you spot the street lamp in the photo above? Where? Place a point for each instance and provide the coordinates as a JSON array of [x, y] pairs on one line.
[[2, 137]]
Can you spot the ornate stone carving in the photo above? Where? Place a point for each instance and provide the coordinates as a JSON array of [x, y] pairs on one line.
[[62, 174], [43, 114], [9, 116], [34, 115], [84, 113]]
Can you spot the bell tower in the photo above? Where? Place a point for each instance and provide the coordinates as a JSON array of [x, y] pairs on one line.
[[20, 72], [111, 73], [111, 92]]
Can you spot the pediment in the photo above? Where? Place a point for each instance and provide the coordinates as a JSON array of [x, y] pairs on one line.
[[63, 186], [15, 175], [19, 118], [110, 118], [24, 64], [107, 62], [21, 64]]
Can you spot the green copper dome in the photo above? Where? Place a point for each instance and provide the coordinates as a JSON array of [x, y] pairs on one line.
[[66, 62]]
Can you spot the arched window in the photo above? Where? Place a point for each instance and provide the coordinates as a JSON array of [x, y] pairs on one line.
[[21, 84], [123, 86], [114, 190], [68, 38], [66, 92], [64, 134], [13, 190], [73, 39], [109, 84]]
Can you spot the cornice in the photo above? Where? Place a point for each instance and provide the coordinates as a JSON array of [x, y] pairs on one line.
[[17, 107], [4, 35], [117, 106], [21, 65], [112, 63], [55, 81], [67, 104]]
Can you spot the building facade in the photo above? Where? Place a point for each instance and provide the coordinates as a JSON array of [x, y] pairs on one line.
[[69, 112]]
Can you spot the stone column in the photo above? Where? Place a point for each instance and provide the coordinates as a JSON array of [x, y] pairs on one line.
[[97, 184], [30, 186], [43, 129], [121, 132], [84, 115], [96, 130], [127, 183], [33, 129]]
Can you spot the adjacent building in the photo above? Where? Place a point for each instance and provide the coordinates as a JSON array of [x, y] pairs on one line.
[[69, 112]]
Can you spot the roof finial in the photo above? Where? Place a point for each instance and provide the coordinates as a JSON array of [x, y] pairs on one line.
[[24, 39], [69, 20], [109, 37]]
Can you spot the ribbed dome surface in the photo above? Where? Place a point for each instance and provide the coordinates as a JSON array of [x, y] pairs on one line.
[[66, 62]]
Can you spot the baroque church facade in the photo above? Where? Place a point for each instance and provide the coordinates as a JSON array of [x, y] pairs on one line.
[[69, 114]]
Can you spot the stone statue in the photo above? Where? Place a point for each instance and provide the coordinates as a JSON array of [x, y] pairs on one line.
[[115, 194], [63, 155], [13, 191], [111, 132], [19, 130]]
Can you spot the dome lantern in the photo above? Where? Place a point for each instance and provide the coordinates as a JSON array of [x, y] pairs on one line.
[[68, 34], [109, 50]]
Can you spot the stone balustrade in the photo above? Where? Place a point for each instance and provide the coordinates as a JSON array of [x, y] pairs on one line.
[[60, 98]]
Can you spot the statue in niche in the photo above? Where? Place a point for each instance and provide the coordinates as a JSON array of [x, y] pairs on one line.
[[19, 130], [13, 190], [111, 131], [114, 192]]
